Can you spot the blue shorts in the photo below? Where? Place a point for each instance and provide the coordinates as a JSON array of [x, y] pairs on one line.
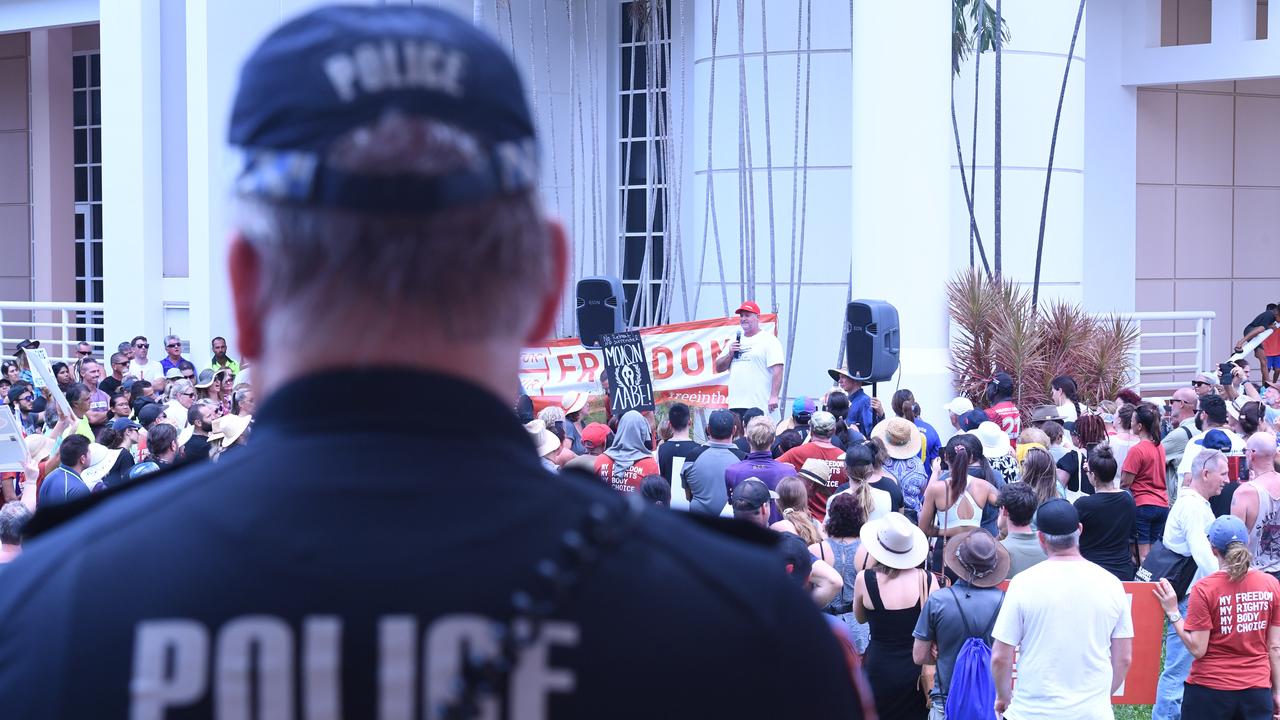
[[1149, 523], [1273, 362]]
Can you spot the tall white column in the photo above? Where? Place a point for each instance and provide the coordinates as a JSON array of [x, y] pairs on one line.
[[1110, 153], [900, 123], [804, 56], [131, 169]]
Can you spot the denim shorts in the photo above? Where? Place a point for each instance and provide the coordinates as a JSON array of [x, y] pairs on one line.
[[1149, 523], [1273, 362]]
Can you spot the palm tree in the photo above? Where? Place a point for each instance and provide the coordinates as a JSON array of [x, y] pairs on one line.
[[1053, 145], [962, 43]]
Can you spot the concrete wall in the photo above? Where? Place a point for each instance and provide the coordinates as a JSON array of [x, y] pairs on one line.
[[15, 163], [1208, 189]]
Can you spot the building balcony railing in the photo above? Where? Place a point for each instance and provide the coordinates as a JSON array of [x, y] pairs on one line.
[[59, 326]]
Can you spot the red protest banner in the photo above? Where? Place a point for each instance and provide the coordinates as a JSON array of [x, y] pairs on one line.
[[680, 362]]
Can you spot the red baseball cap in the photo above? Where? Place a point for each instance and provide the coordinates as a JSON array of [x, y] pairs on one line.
[[749, 306], [595, 434]]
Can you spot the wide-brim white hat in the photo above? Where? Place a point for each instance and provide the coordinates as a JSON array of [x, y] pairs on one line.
[[544, 439], [101, 460], [995, 442], [573, 401], [894, 542]]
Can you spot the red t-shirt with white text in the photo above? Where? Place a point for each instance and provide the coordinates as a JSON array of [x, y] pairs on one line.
[[1006, 415], [818, 494], [1237, 658], [628, 480]]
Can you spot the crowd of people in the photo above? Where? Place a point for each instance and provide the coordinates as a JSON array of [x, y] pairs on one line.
[[1065, 495], [123, 423]]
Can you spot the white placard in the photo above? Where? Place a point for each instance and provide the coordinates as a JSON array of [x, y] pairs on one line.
[[40, 368], [13, 447]]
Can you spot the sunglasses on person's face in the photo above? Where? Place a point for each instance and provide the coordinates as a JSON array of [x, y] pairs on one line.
[[143, 346], [173, 345], [119, 363], [189, 377], [26, 398], [85, 353], [189, 394]]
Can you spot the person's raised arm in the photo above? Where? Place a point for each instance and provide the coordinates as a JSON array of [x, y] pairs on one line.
[[725, 358], [1121, 659], [1196, 641]]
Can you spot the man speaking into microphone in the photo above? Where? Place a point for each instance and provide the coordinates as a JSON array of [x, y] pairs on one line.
[[754, 361]]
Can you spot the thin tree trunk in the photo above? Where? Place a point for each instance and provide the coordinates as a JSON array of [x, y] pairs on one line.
[[964, 183], [996, 226], [1053, 146], [973, 147]]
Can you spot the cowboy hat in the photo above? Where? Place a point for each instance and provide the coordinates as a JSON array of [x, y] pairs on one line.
[[894, 542], [1044, 413], [543, 439], [232, 427], [837, 373], [901, 438], [975, 557], [995, 442]]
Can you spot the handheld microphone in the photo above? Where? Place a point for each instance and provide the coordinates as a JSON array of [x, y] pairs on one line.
[[738, 353]]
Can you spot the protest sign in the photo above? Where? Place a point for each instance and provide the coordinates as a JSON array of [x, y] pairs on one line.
[[680, 358], [13, 448], [40, 368], [630, 386]]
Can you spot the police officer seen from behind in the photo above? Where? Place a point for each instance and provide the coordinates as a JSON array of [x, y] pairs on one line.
[[352, 564]]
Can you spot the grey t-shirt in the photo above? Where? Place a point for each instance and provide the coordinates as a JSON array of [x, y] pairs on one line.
[[704, 476], [941, 623], [1024, 551]]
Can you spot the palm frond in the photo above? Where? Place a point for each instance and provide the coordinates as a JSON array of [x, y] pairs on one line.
[[995, 327]]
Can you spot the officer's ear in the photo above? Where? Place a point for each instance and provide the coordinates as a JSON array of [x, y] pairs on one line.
[[244, 267], [549, 302]]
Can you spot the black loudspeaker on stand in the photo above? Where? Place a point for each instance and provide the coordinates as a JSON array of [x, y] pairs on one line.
[[600, 308], [871, 339]]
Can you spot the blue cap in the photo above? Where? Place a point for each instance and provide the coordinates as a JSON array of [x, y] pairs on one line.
[[142, 468], [1215, 439], [316, 81], [972, 419], [1226, 530], [121, 424]]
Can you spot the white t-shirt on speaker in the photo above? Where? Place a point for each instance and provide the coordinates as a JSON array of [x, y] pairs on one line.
[[750, 381]]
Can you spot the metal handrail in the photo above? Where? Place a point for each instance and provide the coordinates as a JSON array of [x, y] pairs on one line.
[[1200, 346], [55, 324]]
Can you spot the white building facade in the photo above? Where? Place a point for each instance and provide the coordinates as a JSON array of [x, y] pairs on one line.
[[795, 152]]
